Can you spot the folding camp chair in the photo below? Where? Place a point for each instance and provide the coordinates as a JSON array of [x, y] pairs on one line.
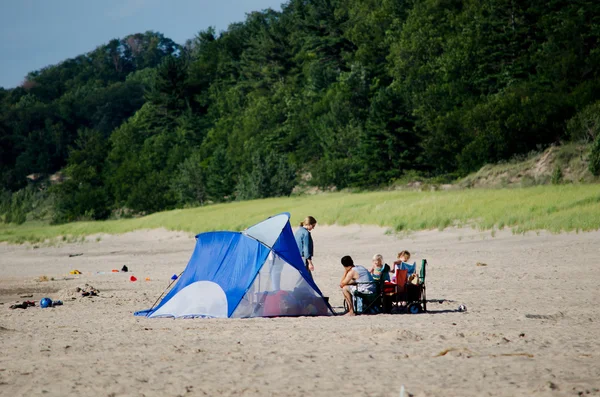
[[417, 301], [407, 296], [422, 283], [370, 302], [399, 294]]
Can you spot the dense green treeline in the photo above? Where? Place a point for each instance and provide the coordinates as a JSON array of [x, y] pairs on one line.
[[354, 93]]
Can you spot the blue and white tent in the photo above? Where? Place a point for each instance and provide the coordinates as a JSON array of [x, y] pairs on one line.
[[255, 273]]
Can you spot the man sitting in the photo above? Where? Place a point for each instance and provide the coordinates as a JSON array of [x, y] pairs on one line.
[[356, 278]]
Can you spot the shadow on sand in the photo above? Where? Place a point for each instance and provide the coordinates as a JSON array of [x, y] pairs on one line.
[[340, 310]]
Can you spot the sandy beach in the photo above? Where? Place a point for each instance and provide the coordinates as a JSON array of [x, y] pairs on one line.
[[532, 325]]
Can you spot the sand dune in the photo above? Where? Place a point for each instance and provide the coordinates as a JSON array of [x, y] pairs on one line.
[[532, 327]]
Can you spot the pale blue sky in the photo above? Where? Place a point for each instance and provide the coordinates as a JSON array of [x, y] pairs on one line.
[[37, 33]]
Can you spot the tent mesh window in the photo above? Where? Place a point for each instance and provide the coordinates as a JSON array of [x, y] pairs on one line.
[[280, 290]]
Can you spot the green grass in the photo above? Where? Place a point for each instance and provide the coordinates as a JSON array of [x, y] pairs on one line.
[[552, 208]]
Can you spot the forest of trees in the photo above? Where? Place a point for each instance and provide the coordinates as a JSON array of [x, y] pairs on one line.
[[355, 93]]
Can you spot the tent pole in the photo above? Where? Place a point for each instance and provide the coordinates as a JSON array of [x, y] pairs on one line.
[[168, 286]]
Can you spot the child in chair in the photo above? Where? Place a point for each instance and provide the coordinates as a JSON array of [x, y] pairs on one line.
[[377, 267], [403, 256]]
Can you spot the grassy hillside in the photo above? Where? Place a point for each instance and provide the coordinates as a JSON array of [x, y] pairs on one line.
[[553, 208], [568, 163]]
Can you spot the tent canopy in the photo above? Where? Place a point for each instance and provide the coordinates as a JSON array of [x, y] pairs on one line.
[[255, 273]]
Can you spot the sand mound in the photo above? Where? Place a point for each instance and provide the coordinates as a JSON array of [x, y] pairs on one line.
[[80, 291]]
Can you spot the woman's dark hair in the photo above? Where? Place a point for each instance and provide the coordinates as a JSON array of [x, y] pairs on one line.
[[347, 261]]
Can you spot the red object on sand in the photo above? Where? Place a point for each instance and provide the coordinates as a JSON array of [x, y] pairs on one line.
[[132, 278], [115, 271], [279, 303]]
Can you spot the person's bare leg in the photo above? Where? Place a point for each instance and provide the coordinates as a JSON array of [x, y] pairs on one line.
[[348, 298]]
